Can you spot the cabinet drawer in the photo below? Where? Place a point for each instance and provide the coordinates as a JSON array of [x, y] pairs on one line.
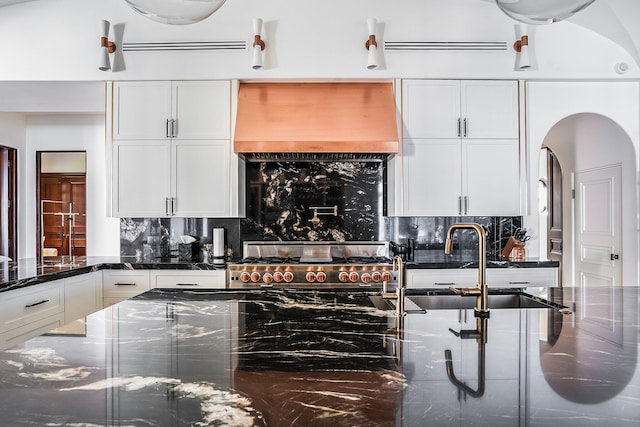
[[121, 283], [23, 306], [189, 279], [441, 278], [522, 277]]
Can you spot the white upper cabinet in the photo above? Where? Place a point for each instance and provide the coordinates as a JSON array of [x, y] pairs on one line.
[[460, 109], [186, 110], [461, 149], [201, 167], [171, 150]]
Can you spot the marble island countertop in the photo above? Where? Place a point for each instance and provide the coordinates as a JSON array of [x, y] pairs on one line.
[[320, 358]]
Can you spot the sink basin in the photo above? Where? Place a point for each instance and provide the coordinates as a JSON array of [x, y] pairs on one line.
[[450, 301]]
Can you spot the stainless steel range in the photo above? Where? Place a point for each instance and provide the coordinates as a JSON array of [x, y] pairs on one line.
[[311, 265]]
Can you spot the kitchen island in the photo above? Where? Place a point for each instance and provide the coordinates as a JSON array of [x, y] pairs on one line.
[[317, 358]]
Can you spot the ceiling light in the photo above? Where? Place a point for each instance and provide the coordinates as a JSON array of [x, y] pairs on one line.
[[541, 11], [178, 12]]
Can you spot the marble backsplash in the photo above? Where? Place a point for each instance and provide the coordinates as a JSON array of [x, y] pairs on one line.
[[149, 238], [340, 201]]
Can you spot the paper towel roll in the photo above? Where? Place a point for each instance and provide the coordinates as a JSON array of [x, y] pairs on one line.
[[218, 245]]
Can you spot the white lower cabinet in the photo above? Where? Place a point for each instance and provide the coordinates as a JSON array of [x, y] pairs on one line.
[[82, 295], [496, 277], [189, 279], [29, 312], [119, 285]]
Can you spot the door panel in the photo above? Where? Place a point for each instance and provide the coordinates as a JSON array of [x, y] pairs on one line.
[[59, 224], [8, 202], [554, 209], [598, 227]]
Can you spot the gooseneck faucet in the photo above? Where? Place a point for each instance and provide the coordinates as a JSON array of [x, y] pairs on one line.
[[481, 291], [398, 294]]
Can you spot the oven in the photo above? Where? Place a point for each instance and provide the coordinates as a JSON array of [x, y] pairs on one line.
[[313, 265]]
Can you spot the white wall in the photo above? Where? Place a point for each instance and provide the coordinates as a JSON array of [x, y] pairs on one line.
[[608, 135], [77, 133], [305, 40]]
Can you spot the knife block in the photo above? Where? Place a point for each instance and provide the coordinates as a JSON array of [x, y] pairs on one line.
[[514, 250]]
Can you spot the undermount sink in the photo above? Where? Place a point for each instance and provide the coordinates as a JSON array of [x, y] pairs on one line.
[[450, 301]]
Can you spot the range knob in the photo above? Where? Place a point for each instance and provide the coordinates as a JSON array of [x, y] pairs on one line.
[[343, 276], [376, 276], [310, 276], [255, 277], [321, 276], [288, 276], [267, 277], [387, 276], [354, 276], [365, 277], [245, 276], [278, 276]]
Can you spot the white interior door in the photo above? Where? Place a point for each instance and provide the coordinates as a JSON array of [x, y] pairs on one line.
[[599, 243]]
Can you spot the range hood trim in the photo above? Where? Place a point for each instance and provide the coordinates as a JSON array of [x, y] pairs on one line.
[[316, 118]]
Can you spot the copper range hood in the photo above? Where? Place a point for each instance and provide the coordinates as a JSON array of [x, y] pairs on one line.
[[316, 121]]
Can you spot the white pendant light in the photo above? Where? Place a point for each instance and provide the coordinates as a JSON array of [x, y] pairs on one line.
[[177, 12], [541, 11]]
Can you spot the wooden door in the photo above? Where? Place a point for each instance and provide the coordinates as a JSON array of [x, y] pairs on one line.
[[554, 211], [8, 202], [64, 213]]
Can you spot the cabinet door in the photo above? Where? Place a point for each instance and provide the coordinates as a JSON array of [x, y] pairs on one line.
[[82, 295], [141, 110], [431, 177], [431, 108], [142, 178], [202, 109], [489, 109], [491, 180], [201, 178]]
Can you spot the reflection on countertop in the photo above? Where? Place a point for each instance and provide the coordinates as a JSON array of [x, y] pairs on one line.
[[318, 358]]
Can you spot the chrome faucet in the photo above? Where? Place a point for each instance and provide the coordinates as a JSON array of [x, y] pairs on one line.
[[481, 291], [398, 295]]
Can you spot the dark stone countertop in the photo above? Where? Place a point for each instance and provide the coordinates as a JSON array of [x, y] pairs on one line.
[[319, 358], [28, 272], [468, 259]]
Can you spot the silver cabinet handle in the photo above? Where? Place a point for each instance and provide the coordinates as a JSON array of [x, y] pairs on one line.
[[464, 125], [519, 283], [459, 205], [186, 284], [444, 283], [167, 208], [459, 127], [124, 284], [466, 205], [173, 206], [44, 301], [168, 129], [174, 128]]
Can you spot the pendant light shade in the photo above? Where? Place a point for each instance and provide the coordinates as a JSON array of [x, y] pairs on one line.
[[177, 12], [541, 11]]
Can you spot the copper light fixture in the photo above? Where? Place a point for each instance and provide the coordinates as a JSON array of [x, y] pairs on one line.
[[258, 44], [371, 45], [106, 46]]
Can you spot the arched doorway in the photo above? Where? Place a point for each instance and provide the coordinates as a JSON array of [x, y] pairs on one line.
[[586, 144]]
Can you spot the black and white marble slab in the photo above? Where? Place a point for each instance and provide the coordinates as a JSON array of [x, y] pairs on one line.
[[309, 358]]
